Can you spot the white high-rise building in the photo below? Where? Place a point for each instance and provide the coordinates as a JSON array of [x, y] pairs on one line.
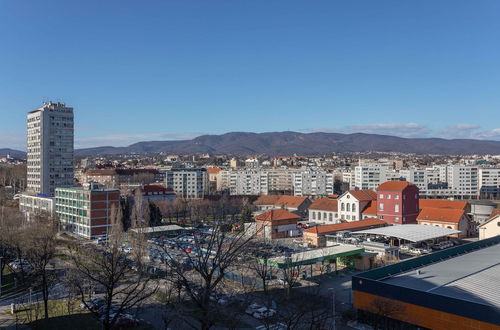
[[489, 180], [50, 148], [190, 183], [369, 176], [312, 182], [248, 182], [417, 176]]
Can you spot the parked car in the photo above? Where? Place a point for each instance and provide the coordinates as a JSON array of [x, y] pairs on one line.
[[102, 241], [282, 281], [263, 313], [442, 245], [18, 263], [112, 310], [415, 251], [253, 308], [93, 304]]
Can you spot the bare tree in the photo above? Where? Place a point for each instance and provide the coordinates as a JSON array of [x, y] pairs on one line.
[[140, 211], [123, 287], [12, 225], [307, 310], [40, 247], [204, 269], [290, 273], [166, 208], [264, 272]]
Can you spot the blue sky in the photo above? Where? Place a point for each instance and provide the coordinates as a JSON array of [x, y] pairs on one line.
[[157, 70]]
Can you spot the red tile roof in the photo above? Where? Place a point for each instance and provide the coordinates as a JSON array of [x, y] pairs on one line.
[[364, 195], [267, 200], [324, 204], [495, 213], [274, 215], [213, 170], [442, 204], [325, 229], [371, 209], [290, 201], [394, 186], [440, 214]]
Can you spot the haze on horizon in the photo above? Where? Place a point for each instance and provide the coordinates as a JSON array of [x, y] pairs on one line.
[[173, 70]]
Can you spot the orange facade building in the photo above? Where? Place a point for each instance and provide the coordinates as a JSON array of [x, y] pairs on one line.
[[455, 288]]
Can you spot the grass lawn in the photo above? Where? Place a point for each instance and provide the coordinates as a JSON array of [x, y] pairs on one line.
[[59, 318], [7, 281]]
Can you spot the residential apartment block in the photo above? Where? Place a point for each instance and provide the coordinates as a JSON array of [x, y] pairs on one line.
[[256, 181], [248, 182], [452, 181], [369, 176], [489, 182], [312, 182], [50, 148], [190, 183]]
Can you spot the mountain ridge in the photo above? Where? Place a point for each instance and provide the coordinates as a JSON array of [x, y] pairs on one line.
[[12, 152], [289, 143]]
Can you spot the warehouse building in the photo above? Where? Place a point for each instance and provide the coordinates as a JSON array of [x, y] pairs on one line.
[[455, 288]]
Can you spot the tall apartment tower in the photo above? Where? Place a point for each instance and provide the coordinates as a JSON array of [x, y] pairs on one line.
[[50, 148]]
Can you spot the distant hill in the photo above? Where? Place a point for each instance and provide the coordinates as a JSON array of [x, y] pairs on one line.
[[289, 143], [14, 153]]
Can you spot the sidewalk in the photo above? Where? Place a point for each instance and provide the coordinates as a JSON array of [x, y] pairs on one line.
[[8, 321]]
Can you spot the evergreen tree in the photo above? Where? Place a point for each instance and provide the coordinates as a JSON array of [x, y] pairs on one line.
[[155, 215]]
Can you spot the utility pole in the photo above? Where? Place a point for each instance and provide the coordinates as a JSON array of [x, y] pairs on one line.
[[1, 274], [333, 308]]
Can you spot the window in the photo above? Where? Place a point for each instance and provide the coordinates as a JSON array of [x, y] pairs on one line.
[[381, 196], [396, 208], [388, 196], [381, 206], [396, 196], [353, 217], [396, 219], [314, 215], [342, 207], [348, 207], [353, 207], [330, 217]]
